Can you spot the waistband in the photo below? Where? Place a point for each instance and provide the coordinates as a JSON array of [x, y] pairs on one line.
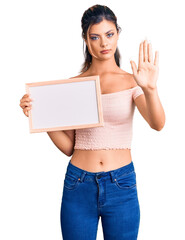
[[81, 174]]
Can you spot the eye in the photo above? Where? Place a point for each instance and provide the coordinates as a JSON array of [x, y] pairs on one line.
[[111, 34], [93, 38]]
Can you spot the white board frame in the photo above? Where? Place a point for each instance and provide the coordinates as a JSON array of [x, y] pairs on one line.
[[79, 98]]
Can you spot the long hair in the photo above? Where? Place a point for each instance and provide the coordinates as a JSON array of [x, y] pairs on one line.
[[93, 15]]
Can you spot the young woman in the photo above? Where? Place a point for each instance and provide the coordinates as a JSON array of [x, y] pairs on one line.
[[100, 179]]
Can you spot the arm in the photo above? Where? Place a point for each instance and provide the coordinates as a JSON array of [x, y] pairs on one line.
[[63, 140], [151, 109], [155, 110]]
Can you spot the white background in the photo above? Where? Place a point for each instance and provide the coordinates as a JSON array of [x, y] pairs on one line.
[[41, 41]]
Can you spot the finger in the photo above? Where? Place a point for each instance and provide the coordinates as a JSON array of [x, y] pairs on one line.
[[25, 104], [26, 111], [156, 60], [145, 51], [150, 54], [26, 99], [141, 53], [27, 114], [134, 67], [26, 96]]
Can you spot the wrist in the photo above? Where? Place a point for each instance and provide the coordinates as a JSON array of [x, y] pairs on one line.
[[149, 90]]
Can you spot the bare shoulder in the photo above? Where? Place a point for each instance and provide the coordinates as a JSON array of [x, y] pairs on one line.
[[132, 81], [78, 76], [128, 79]]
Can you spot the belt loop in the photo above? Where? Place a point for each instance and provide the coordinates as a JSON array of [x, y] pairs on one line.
[[81, 179], [112, 177]]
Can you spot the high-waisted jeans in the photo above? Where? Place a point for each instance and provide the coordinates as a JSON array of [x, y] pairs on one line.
[[89, 195]]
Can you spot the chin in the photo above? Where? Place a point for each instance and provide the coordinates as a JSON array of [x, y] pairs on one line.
[[106, 56]]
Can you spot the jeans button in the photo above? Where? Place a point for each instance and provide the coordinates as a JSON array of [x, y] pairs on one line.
[[99, 176]]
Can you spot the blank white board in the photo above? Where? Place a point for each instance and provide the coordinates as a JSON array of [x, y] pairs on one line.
[[65, 104]]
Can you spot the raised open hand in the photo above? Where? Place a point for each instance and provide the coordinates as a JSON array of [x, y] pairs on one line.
[[147, 73]]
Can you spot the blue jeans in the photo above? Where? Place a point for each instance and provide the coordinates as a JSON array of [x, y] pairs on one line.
[[89, 195]]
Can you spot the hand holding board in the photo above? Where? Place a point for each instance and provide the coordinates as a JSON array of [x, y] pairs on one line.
[[65, 104]]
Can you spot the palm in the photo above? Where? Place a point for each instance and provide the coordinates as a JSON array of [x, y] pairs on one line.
[[147, 73]]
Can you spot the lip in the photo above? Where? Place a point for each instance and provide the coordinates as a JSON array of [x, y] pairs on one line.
[[106, 51]]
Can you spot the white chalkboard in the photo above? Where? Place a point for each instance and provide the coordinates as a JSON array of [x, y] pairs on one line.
[[65, 104]]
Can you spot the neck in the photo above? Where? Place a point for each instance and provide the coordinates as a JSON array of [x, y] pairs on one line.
[[99, 67]]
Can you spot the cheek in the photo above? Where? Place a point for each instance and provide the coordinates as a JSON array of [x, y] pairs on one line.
[[114, 42], [113, 46], [95, 47]]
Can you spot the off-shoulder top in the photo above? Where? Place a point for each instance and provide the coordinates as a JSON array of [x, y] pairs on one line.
[[118, 110]]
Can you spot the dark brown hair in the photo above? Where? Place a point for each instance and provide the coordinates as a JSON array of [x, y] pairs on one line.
[[93, 15]]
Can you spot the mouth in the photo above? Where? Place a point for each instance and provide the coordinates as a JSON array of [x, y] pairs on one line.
[[106, 51]]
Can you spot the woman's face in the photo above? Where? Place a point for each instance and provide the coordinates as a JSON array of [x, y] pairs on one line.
[[102, 36]]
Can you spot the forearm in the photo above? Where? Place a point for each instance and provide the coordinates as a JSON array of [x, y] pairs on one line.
[[62, 141], [156, 112]]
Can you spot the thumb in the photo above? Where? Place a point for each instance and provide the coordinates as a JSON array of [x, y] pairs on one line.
[[134, 67]]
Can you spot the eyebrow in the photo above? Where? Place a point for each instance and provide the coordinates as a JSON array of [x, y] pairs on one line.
[[98, 34]]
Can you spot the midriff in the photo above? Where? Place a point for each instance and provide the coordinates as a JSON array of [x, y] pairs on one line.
[[101, 160]]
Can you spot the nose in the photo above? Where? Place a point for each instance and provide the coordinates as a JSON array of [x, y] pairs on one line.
[[103, 43]]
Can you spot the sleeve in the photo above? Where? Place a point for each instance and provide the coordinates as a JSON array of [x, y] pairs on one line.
[[136, 92]]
